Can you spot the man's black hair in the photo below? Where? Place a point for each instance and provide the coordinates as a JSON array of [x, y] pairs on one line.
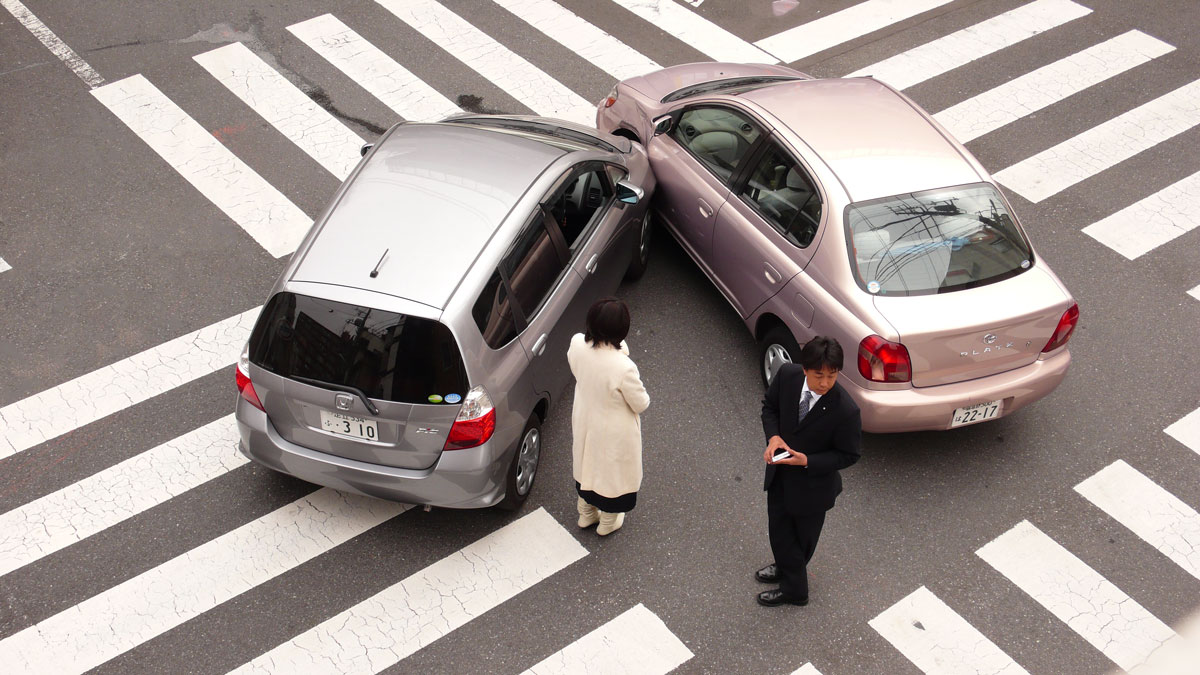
[[607, 322], [821, 352]]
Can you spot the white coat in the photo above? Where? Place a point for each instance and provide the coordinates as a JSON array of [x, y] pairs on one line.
[[606, 428]]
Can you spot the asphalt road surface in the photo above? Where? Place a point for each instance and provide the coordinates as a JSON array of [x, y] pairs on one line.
[[134, 538]]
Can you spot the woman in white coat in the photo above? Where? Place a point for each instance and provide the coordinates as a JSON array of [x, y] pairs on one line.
[[605, 424]]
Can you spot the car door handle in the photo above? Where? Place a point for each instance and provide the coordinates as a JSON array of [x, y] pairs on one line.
[[772, 275], [540, 345], [705, 209], [591, 263]]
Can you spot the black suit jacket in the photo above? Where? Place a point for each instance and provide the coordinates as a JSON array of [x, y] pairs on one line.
[[829, 435]]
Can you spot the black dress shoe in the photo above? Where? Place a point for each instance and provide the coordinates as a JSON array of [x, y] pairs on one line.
[[768, 574], [776, 597]]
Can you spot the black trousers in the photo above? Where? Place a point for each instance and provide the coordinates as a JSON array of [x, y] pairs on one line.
[[793, 541]]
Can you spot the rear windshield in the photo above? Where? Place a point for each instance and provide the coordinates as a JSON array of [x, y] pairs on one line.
[[388, 356], [935, 242]]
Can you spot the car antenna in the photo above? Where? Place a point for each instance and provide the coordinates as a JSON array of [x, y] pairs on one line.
[[375, 272]]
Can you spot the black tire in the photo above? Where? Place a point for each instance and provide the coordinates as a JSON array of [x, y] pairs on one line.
[[776, 348], [641, 248], [523, 469]]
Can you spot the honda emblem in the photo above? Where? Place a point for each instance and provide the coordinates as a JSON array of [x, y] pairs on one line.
[[343, 401]]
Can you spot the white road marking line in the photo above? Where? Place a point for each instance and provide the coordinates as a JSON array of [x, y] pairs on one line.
[[1160, 518], [232, 186], [1145, 225], [4, 267], [1080, 597], [938, 640], [853, 22], [1102, 147], [392, 624], [974, 42], [127, 382], [405, 93], [806, 669], [1195, 292], [517, 77], [1187, 429], [592, 44], [131, 613], [1049, 84], [694, 30], [288, 109], [82, 509], [637, 641], [53, 43]]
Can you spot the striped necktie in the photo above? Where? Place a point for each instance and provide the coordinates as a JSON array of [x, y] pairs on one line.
[[804, 404]]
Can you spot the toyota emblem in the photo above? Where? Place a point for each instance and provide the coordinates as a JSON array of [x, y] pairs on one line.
[[343, 401], [989, 338]]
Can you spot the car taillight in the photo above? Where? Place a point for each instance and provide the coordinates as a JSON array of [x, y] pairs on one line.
[[883, 361], [475, 422], [1066, 326], [244, 385], [610, 99]]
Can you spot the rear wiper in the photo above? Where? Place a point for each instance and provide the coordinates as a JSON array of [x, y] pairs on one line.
[[340, 387]]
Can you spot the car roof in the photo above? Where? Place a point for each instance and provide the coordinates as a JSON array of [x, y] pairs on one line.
[[873, 138], [423, 206]]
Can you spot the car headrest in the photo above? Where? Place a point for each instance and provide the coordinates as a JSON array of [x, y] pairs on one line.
[[795, 181]]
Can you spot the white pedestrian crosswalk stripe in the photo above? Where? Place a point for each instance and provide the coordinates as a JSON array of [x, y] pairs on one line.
[[806, 669], [52, 42], [1195, 292], [259, 208], [394, 623], [518, 78], [85, 508], [1160, 518], [288, 109], [637, 641], [405, 93], [102, 392], [1147, 224], [1077, 595], [972, 43], [694, 30], [4, 267], [938, 641], [850, 23], [589, 42], [127, 615], [1049, 84], [1187, 430], [1103, 147]]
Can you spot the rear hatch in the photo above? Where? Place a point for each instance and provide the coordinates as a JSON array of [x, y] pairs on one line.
[[319, 367], [953, 273]]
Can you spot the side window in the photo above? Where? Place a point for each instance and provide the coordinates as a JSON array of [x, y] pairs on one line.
[[779, 189], [531, 267], [579, 203], [718, 137], [493, 313]]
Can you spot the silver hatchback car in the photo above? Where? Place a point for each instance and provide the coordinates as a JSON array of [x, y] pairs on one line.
[[415, 342]]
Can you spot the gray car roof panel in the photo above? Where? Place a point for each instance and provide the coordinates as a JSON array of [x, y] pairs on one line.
[[431, 196]]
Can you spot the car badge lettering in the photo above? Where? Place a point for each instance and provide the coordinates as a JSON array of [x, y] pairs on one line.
[[426, 430], [989, 350], [343, 401]]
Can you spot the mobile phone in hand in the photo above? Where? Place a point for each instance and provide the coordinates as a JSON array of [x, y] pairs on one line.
[[781, 454]]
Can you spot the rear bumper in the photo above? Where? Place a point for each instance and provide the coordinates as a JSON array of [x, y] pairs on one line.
[[931, 408], [461, 479]]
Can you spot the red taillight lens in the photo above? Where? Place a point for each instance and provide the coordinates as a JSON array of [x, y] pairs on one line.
[[246, 389], [611, 98], [475, 423], [883, 361], [1066, 326]]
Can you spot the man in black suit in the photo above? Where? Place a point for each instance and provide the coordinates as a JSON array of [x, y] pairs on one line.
[[815, 428]]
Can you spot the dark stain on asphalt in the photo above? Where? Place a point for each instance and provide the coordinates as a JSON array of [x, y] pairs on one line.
[[322, 99], [474, 104]]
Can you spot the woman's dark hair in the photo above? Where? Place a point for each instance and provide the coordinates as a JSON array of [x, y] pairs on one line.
[[820, 352], [607, 323]]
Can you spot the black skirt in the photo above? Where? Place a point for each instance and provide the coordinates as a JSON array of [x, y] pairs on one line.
[[622, 504]]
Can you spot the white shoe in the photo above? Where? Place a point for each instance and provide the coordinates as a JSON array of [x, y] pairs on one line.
[[588, 514], [609, 523]]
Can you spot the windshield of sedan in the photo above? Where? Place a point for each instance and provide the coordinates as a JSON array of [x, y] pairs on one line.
[[935, 242], [736, 85]]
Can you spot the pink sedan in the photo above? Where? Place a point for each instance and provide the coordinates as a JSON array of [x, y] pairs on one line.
[[839, 207]]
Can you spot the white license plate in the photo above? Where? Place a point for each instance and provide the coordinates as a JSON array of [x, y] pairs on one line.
[[976, 413], [349, 425]]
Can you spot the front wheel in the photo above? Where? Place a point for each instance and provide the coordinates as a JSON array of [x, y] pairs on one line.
[[641, 249], [524, 466], [776, 348]]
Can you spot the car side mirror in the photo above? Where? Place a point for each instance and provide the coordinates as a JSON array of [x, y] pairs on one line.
[[362, 152], [629, 193], [663, 124]]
